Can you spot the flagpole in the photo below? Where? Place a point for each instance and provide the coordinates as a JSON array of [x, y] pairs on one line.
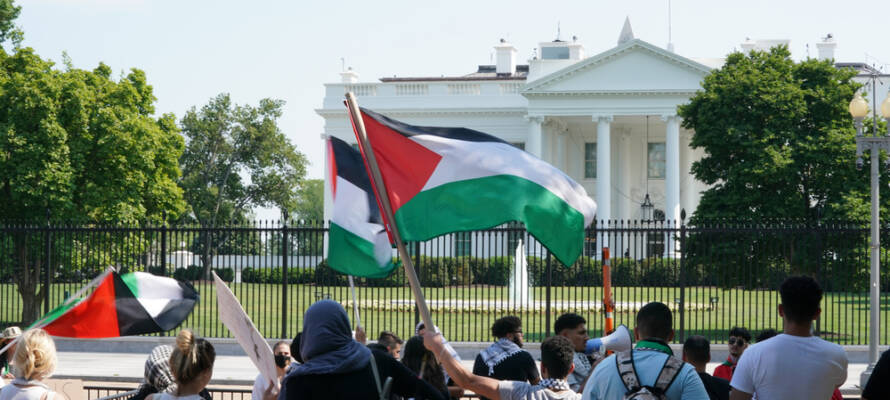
[[380, 189], [358, 319]]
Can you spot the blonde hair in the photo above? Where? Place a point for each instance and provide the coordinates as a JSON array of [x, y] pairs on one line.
[[35, 355], [191, 356]]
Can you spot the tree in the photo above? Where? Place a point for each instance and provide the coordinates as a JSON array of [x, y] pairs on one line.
[[779, 143], [310, 201], [777, 138], [236, 158], [77, 145]]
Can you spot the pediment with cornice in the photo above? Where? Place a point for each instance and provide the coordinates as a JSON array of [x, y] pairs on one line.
[[634, 67]]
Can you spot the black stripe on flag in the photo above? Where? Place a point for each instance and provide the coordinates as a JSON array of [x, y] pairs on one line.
[[350, 166], [177, 311], [132, 319], [464, 134]]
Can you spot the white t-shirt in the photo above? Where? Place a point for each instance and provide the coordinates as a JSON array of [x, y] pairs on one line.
[[16, 392], [791, 367], [515, 390]]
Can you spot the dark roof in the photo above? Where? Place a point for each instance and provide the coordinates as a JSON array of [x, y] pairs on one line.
[[483, 73]]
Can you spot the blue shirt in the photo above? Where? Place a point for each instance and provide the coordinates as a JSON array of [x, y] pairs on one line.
[[606, 384]]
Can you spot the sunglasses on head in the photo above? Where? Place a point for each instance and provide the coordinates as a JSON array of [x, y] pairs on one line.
[[733, 341]]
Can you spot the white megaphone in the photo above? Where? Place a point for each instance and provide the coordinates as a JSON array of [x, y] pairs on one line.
[[616, 341]]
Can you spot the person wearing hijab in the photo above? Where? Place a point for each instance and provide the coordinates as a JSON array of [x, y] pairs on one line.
[[337, 367]]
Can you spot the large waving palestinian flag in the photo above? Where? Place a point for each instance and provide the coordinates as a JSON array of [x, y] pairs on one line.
[[124, 305], [358, 243], [443, 180]]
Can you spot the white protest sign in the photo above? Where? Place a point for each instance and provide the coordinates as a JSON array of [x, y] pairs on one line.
[[233, 316]]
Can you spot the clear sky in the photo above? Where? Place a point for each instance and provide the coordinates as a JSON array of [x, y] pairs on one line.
[[192, 50]]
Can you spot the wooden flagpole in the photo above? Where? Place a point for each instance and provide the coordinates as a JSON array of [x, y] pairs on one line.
[[382, 194]]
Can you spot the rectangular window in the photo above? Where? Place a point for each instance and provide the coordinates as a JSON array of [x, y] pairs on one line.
[[590, 160], [462, 244], [656, 161]]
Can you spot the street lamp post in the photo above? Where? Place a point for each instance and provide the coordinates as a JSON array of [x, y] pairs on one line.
[[872, 144]]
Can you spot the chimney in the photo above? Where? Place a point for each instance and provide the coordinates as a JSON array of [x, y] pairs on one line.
[[826, 47], [506, 58], [349, 76], [748, 45]]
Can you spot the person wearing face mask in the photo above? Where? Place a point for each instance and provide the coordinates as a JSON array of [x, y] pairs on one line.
[[282, 362], [505, 360]]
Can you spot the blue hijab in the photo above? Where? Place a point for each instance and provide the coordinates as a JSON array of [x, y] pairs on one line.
[[326, 345]]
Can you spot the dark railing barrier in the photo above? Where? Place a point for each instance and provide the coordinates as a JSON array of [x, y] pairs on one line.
[[714, 275]]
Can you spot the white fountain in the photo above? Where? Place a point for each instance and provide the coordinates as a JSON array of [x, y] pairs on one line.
[[520, 296]]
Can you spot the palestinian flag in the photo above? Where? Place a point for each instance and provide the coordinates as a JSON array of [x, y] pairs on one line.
[[443, 180], [124, 305], [358, 243]]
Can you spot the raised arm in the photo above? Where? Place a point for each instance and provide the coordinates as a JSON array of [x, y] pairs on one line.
[[481, 385]]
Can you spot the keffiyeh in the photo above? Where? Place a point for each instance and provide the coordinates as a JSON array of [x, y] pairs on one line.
[[497, 352], [555, 385]]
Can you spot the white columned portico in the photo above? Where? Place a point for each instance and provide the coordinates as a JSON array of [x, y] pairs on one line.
[[560, 161], [672, 175], [534, 141], [603, 167]]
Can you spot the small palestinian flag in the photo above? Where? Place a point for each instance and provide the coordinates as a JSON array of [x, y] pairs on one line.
[[443, 180], [123, 305], [358, 242]]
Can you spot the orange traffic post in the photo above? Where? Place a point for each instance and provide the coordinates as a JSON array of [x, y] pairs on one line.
[[607, 292]]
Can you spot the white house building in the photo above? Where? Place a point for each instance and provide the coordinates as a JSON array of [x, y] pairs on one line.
[[608, 120]]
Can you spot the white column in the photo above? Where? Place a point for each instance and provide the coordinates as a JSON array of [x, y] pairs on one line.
[[560, 160], [534, 142], [603, 168], [672, 174]]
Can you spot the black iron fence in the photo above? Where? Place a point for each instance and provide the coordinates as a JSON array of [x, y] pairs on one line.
[[714, 275]]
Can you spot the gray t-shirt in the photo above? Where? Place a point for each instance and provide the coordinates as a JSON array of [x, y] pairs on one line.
[[515, 390]]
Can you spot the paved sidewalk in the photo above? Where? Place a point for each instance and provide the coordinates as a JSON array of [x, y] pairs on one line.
[[239, 370]]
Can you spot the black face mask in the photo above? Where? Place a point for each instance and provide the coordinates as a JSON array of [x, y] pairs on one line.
[[281, 360]]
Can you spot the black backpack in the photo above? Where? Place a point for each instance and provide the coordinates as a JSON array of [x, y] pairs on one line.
[[669, 371]]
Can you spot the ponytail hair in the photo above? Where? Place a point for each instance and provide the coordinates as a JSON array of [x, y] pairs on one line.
[[35, 355], [191, 356]]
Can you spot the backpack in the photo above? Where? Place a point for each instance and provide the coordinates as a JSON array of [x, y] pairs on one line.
[[635, 391]]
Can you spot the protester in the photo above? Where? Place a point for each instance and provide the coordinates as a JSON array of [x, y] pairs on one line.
[[158, 377], [9, 335], [556, 364], [337, 367], [766, 334], [878, 386], [505, 360], [697, 351], [574, 327], [738, 341], [650, 358], [281, 351], [392, 343], [191, 364], [34, 360], [424, 365], [795, 364]]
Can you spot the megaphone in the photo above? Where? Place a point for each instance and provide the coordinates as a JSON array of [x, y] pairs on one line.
[[616, 341]]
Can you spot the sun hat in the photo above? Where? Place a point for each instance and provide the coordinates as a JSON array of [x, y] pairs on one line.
[[11, 332]]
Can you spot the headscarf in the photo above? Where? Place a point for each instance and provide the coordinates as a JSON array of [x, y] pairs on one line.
[[327, 346], [157, 369]]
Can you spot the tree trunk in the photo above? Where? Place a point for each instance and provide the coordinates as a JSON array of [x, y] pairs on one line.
[[27, 279]]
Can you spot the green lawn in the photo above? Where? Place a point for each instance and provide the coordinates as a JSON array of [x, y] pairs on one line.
[[844, 315]]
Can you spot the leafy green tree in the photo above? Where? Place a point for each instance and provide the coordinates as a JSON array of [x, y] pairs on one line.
[[236, 158], [8, 14], [77, 145], [778, 142], [310, 201]]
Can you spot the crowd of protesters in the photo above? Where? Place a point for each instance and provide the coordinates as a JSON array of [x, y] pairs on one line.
[[327, 360]]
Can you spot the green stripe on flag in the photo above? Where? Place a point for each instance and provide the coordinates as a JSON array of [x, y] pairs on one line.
[[56, 312], [132, 283], [490, 201], [353, 255]]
